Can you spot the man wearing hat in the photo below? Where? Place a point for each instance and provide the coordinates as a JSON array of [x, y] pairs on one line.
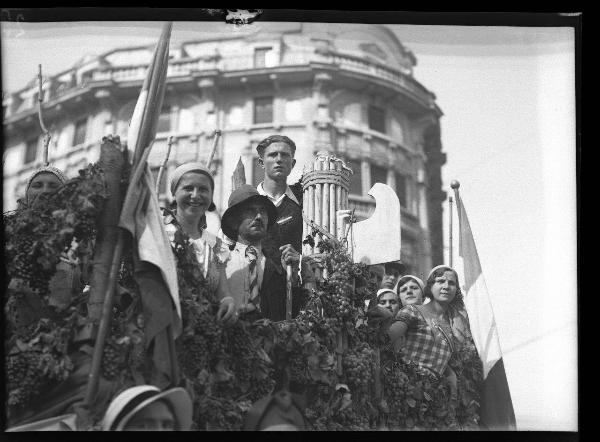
[[146, 408], [392, 271], [257, 280]]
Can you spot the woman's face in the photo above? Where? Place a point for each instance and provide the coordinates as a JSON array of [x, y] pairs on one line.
[[193, 195], [444, 287], [410, 293], [44, 182], [390, 301]]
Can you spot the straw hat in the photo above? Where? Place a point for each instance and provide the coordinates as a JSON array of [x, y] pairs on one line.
[[125, 405]]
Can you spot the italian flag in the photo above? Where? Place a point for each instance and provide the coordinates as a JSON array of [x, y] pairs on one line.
[[155, 269], [496, 410]]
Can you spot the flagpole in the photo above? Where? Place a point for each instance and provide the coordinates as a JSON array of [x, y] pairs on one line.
[[214, 148], [163, 165], [454, 185], [450, 233], [42, 125]]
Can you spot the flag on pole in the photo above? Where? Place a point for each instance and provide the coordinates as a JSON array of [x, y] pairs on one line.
[[155, 269], [496, 410]]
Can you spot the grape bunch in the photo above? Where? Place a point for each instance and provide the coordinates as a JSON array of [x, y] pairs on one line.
[[394, 387], [211, 330], [352, 418], [242, 353], [358, 367], [261, 388], [298, 370], [192, 355], [337, 305], [23, 378], [113, 359], [26, 263]]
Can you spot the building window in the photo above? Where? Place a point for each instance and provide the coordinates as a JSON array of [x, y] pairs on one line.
[[164, 120], [258, 173], [80, 132], [162, 188], [378, 175], [401, 189], [260, 57], [356, 177], [263, 110], [376, 119], [31, 148]]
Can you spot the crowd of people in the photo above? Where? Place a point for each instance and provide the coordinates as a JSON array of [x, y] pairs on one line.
[[246, 266]]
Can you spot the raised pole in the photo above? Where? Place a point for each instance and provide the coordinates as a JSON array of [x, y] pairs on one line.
[[214, 148], [42, 125], [454, 185], [164, 164], [450, 235]]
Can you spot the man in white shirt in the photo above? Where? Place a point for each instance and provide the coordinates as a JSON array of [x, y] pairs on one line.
[[257, 281], [276, 157]]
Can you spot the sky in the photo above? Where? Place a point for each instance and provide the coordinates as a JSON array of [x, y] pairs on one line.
[[508, 98]]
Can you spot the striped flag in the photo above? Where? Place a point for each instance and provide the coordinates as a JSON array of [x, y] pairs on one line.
[[154, 263], [496, 405]]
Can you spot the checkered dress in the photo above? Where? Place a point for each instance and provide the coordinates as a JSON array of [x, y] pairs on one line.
[[425, 344]]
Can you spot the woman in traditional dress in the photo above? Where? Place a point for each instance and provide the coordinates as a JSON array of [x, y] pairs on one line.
[[192, 187]]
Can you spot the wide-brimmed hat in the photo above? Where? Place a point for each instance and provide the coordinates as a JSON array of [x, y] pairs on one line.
[[192, 167], [398, 265], [243, 195], [127, 403], [414, 278]]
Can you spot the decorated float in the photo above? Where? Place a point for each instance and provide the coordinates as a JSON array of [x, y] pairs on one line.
[[65, 360]]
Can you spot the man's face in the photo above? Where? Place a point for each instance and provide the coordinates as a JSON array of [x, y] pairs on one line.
[[278, 161], [390, 278], [254, 220], [155, 417]]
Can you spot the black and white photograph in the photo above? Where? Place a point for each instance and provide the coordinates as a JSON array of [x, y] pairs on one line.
[[287, 220]]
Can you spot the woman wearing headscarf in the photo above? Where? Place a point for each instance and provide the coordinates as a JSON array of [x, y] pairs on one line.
[[410, 290], [192, 187], [431, 331]]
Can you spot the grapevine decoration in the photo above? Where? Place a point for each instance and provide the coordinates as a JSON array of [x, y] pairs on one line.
[[43, 317], [327, 353]]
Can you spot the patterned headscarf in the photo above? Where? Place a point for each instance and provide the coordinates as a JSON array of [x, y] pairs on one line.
[[47, 169]]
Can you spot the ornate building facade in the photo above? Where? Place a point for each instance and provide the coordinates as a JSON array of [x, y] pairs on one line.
[[349, 89]]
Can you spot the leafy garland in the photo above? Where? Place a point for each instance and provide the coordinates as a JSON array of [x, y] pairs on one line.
[[223, 368], [39, 330], [228, 368], [328, 352]]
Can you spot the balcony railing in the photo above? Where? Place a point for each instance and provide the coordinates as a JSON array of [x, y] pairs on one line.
[[296, 57]]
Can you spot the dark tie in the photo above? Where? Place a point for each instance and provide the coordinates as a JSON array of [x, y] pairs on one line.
[[252, 255]]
